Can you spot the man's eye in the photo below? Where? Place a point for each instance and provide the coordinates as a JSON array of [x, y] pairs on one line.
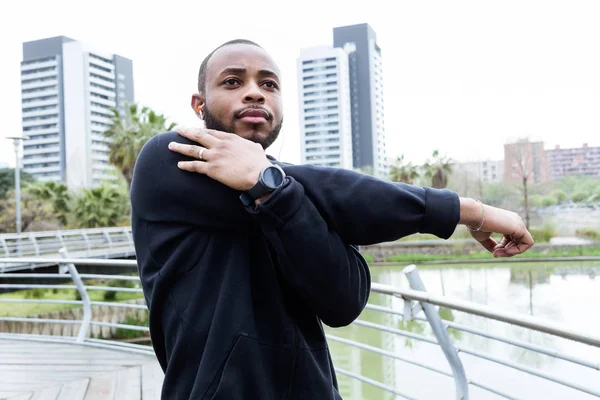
[[271, 85], [231, 81]]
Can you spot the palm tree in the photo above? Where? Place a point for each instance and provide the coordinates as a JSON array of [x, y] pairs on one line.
[[438, 169], [103, 206], [401, 172], [57, 194], [129, 133]]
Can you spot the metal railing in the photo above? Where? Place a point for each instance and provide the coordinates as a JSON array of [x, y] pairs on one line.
[[114, 242], [418, 305], [68, 278]]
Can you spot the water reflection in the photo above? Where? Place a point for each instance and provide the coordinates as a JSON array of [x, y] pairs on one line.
[[559, 292]]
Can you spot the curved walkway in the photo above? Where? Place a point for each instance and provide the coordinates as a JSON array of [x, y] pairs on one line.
[[49, 370]]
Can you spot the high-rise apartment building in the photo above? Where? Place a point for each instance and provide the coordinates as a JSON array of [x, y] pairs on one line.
[[68, 89], [324, 107], [366, 96], [582, 161]]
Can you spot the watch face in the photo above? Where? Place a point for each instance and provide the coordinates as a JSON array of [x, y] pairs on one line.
[[273, 177]]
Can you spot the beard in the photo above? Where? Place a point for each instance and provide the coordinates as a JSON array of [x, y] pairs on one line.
[[212, 122]]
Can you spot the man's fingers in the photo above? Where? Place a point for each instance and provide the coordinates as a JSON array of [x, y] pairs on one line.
[[206, 137], [189, 150], [490, 244], [505, 240], [194, 166]]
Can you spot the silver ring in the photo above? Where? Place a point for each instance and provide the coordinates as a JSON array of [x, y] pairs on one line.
[[200, 153]]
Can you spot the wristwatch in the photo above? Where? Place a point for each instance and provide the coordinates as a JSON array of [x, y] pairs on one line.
[[269, 180]]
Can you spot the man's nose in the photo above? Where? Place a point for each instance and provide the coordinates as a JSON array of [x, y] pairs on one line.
[[254, 94]]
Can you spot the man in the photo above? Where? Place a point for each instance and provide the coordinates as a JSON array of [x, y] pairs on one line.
[[242, 257]]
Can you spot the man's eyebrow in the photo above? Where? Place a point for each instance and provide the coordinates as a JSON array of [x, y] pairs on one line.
[[241, 71], [233, 71], [268, 72]]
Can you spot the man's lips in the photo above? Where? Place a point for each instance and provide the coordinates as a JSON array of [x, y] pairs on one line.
[[254, 116]]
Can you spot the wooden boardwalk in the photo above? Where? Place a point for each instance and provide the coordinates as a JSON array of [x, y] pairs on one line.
[[41, 370]]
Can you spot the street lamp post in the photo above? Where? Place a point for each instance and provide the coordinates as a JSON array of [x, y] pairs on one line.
[[16, 142]]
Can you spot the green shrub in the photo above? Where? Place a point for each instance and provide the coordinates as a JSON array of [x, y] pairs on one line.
[[548, 201], [110, 295], [35, 294], [580, 196], [368, 258], [543, 234], [560, 196], [588, 233], [535, 200], [128, 333]]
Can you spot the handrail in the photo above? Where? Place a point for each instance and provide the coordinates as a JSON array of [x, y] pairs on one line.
[[524, 321], [416, 300]]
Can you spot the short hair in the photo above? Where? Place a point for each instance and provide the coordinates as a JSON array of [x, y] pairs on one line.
[[203, 66]]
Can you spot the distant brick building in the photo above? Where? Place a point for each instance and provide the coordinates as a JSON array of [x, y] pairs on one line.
[[583, 160], [525, 159]]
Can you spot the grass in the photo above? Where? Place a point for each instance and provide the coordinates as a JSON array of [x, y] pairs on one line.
[[31, 309], [481, 255]]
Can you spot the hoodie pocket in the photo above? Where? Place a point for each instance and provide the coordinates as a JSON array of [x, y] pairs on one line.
[[254, 370]]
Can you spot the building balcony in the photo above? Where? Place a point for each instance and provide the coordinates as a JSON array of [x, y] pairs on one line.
[[40, 103], [109, 103], [40, 113], [47, 92], [41, 152], [41, 160], [27, 124], [32, 85], [108, 93], [42, 170], [38, 142], [38, 65], [102, 82]]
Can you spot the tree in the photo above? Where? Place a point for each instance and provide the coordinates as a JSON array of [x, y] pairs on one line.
[[7, 180], [403, 172], [522, 166], [57, 194], [99, 207], [36, 214], [437, 169], [128, 134]]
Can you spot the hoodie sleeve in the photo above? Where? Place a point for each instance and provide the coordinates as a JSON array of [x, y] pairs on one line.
[[310, 226]]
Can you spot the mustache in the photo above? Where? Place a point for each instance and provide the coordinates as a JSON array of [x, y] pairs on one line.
[[237, 113]]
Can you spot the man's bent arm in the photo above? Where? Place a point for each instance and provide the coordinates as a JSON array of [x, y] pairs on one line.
[[330, 275]]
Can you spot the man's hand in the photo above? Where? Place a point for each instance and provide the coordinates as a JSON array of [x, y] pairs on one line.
[[224, 157], [516, 238]]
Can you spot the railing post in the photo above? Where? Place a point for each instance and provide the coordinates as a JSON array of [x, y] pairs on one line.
[[87, 243], [129, 239], [87, 307], [60, 238], [108, 239], [35, 244], [5, 247], [441, 334]]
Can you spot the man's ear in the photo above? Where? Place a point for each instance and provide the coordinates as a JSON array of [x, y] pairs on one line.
[[197, 104]]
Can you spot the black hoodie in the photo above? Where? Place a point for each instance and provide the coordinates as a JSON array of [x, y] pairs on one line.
[[237, 295]]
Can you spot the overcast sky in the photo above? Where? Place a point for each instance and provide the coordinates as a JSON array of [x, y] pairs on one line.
[[464, 77]]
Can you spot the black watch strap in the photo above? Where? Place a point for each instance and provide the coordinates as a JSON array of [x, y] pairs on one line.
[[260, 188]]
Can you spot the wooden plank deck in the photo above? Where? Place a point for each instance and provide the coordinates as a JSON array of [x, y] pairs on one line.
[[36, 370]]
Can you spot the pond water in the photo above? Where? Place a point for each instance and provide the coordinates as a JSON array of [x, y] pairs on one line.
[[568, 293]]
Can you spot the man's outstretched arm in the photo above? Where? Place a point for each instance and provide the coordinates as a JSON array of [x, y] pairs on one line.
[[313, 217]]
